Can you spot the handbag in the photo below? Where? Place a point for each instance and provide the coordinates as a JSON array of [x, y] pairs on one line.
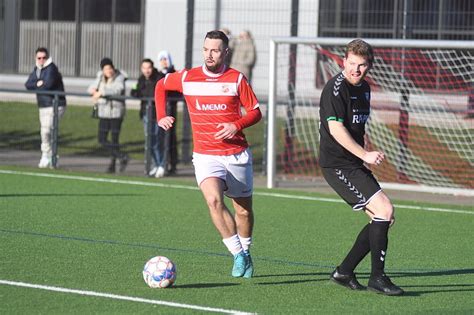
[[95, 111]]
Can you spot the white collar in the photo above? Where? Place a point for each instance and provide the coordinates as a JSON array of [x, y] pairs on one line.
[[212, 74], [47, 63]]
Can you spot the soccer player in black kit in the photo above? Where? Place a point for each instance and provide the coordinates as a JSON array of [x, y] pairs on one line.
[[344, 110]]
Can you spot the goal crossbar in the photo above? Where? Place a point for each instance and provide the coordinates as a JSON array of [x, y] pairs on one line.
[[271, 146]]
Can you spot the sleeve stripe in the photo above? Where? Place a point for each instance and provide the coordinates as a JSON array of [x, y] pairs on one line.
[[335, 119]]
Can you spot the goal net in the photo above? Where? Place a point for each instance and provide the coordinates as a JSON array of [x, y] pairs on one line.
[[422, 109]]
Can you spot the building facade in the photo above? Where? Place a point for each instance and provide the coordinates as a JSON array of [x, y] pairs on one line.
[[79, 33]]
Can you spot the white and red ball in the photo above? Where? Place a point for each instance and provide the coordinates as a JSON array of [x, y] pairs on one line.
[[159, 272]]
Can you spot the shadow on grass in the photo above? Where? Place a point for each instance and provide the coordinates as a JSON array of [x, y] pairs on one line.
[[67, 195], [20, 139], [436, 288], [294, 274], [69, 143], [447, 272], [428, 288], [204, 285], [307, 274]]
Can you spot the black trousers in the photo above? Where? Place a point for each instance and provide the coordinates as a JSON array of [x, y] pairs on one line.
[[112, 125]]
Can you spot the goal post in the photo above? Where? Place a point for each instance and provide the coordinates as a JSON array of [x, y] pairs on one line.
[[422, 110]]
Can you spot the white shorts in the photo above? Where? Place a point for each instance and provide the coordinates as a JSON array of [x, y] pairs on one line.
[[235, 170]]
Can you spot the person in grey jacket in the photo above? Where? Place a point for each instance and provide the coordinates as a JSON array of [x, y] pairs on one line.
[[110, 82], [46, 77], [244, 55]]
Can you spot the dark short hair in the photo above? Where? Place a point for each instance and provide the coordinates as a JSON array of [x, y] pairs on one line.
[[148, 60], [106, 62], [43, 50], [218, 35], [360, 48]]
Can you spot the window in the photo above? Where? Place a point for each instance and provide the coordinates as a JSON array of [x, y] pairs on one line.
[[27, 10], [34, 10], [97, 10], [42, 10], [64, 10], [128, 11]]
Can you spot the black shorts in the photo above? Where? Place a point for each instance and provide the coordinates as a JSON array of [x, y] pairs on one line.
[[356, 186]]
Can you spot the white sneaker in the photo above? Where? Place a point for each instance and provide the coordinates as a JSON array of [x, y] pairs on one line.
[[44, 162], [160, 172], [153, 171]]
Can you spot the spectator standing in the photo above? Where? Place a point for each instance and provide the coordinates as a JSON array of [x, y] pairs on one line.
[[232, 41], [146, 88], [110, 82], [170, 148], [244, 55], [46, 77]]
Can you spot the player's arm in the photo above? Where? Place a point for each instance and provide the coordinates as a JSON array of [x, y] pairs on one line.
[[253, 114], [343, 137], [171, 82]]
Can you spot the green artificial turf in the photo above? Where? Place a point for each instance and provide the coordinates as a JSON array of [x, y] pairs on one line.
[[78, 132], [96, 235]]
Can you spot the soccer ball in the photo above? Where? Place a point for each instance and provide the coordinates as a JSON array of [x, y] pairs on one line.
[[159, 272]]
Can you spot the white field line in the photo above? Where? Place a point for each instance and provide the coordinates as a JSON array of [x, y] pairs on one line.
[[120, 297], [256, 193]]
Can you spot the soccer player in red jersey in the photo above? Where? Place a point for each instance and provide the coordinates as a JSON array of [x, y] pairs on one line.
[[222, 160]]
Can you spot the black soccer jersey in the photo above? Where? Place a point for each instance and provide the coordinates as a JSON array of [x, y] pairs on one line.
[[349, 104]]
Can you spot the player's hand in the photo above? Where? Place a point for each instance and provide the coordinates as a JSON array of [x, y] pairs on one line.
[[373, 157], [228, 131], [166, 122]]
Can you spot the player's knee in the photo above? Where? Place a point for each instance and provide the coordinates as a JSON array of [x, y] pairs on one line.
[[214, 203], [385, 211], [243, 212]]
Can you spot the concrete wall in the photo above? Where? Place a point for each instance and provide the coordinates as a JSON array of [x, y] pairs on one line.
[[165, 29]]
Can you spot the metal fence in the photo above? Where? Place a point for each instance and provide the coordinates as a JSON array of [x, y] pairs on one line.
[[21, 140]]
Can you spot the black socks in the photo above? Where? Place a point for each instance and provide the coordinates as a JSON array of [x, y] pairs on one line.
[[360, 249], [374, 238], [378, 236]]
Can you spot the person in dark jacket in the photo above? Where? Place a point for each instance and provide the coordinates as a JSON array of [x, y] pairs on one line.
[[146, 88], [165, 66], [46, 77]]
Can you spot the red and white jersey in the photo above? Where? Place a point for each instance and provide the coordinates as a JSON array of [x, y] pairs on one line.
[[212, 98]]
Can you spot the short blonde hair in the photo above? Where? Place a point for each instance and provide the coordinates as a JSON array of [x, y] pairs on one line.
[[360, 48]]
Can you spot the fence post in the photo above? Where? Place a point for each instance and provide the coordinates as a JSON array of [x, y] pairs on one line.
[[54, 157], [271, 116], [186, 134], [149, 122]]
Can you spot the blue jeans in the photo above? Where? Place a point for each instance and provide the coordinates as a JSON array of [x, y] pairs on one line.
[[156, 142]]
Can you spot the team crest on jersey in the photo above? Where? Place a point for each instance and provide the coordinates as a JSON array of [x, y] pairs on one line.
[[367, 96], [205, 107], [225, 88]]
